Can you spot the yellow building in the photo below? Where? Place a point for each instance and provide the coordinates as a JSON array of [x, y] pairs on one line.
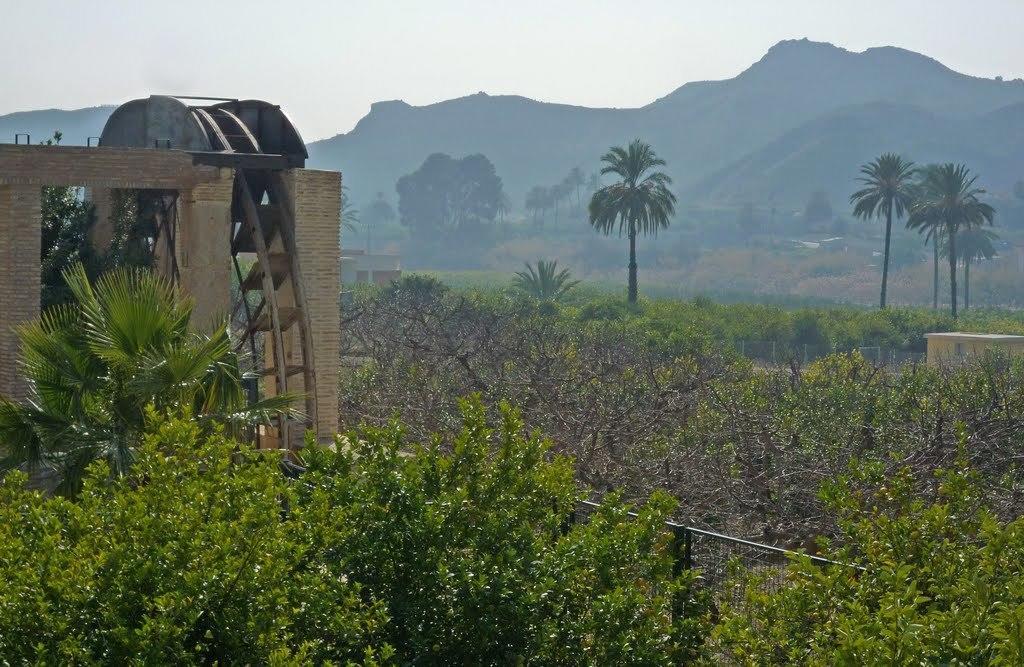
[[956, 345]]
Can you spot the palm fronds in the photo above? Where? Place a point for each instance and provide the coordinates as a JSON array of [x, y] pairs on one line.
[[97, 365], [949, 202], [546, 282], [639, 203], [888, 191]]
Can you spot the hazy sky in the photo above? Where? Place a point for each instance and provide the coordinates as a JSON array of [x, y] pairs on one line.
[[326, 61]]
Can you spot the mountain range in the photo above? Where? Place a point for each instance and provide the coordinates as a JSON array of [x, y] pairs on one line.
[[802, 118]]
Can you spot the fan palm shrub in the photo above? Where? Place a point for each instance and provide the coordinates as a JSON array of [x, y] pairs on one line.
[[97, 365], [545, 283]]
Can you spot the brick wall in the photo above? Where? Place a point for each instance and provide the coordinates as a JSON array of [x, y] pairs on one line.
[[19, 276], [204, 266], [139, 168], [317, 198], [204, 250]]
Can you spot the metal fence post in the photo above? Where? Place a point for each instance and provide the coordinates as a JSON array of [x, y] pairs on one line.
[[682, 550], [567, 523], [677, 550]]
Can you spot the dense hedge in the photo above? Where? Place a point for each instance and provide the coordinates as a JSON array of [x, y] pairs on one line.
[[843, 327], [205, 552], [387, 552], [922, 583]]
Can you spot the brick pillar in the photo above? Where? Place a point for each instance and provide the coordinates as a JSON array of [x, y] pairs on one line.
[[20, 229], [102, 231], [204, 251], [317, 199]]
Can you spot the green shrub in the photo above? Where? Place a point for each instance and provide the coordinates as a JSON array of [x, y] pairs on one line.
[[93, 366], [472, 556], [458, 553], [184, 560], [939, 583]]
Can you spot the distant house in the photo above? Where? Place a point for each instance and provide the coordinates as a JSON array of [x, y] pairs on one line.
[[359, 268], [956, 345]]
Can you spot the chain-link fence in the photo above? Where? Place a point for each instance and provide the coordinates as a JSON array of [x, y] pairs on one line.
[[773, 353]]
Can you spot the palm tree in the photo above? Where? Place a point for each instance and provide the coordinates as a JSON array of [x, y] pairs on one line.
[[574, 180], [536, 200], [933, 235], [948, 204], [546, 283], [502, 206], [379, 212], [888, 190], [640, 203], [95, 366], [556, 193], [972, 244], [349, 212]]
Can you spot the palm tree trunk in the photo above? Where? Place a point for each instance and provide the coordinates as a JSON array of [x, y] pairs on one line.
[[967, 284], [935, 271], [952, 271], [632, 265], [885, 256]]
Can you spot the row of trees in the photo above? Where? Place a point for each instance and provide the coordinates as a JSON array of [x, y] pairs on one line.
[[940, 201], [184, 546], [452, 545], [541, 198], [180, 545], [905, 477], [653, 397]]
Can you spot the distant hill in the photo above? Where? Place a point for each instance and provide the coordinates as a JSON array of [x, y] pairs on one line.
[[825, 152], [77, 125], [801, 118], [808, 111]]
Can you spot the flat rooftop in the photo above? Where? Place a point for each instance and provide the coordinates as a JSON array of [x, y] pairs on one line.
[[965, 335]]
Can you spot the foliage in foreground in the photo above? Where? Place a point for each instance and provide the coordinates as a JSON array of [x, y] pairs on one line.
[[940, 583], [185, 560], [94, 365], [204, 552]]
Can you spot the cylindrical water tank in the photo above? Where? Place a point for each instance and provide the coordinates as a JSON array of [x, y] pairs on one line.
[[155, 122], [160, 121]]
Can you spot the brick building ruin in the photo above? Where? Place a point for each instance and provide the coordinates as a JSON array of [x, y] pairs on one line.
[[233, 200]]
